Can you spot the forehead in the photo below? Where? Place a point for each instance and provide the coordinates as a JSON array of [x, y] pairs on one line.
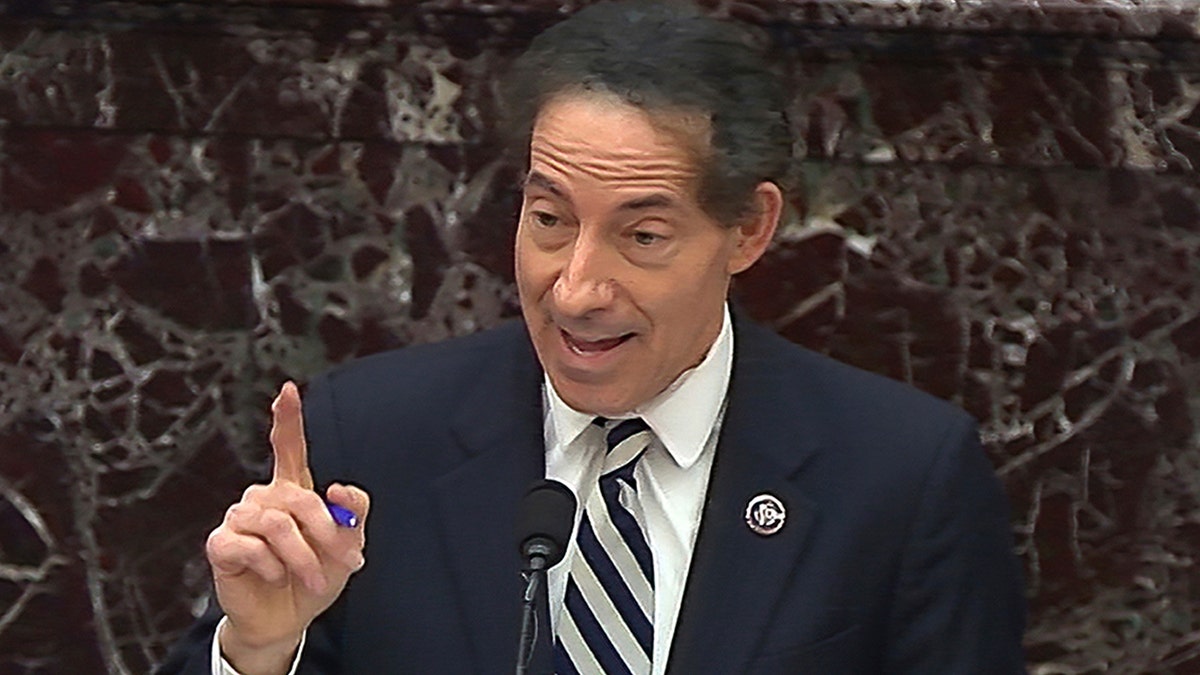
[[596, 138]]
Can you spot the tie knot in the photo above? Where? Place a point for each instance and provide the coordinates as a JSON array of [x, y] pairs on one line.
[[619, 433], [625, 441]]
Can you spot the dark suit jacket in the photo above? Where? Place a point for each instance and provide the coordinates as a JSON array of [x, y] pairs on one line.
[[895, 557]]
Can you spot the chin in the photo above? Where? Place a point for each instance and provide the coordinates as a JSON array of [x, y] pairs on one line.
[[589, 400]]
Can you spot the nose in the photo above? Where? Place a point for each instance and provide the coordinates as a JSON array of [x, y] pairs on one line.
[[586, 283]]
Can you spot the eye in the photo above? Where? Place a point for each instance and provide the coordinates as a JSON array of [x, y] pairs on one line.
[[644, 238], [545, 219]]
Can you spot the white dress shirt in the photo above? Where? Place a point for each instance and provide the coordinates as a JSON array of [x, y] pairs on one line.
[[672, 480], [672, 477]]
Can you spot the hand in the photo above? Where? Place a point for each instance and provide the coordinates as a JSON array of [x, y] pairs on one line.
[[279, 559]]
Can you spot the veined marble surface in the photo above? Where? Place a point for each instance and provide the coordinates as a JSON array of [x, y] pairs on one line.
[[996, 201]]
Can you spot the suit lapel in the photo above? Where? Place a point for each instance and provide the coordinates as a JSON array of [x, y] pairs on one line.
[[764, 441], [499, 428], [735, 573]]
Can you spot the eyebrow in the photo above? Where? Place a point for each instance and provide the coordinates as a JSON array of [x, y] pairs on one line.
[[652, 201], [535, 179]]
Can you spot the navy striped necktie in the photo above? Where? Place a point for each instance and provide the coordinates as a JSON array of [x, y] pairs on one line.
[[608, 623]]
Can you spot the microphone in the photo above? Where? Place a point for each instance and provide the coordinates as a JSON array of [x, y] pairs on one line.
[[544, 523]]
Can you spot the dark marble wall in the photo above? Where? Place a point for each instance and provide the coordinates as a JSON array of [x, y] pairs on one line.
[[996, 201]]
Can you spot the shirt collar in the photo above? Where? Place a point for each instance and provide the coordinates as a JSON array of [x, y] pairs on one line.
[[682, 416]]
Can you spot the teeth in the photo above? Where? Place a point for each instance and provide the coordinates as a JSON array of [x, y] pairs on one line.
[[585, 347]]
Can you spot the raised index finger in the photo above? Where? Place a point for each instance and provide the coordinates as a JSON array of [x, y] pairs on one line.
[[287, 438]]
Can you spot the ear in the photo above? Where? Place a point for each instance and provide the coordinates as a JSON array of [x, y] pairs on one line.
[[754, 234]]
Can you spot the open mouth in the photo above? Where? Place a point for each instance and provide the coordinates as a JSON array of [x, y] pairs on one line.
[[586, 347]]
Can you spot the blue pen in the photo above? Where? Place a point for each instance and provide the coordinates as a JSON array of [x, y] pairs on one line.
[[342, 515]]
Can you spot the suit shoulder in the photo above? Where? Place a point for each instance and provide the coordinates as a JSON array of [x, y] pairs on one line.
[[880, 391], [848, 392]]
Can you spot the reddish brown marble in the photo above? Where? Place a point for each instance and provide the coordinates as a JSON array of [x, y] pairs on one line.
[[995, 201]]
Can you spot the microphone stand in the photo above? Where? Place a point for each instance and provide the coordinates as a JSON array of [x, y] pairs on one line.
[[538, 550], [543, 529]]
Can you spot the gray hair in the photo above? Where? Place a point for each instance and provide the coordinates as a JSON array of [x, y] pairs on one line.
[[666, 57]]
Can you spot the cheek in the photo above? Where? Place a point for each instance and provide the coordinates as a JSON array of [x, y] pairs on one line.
[[521, 252], [534, 270], [701, 282], [687, 307]]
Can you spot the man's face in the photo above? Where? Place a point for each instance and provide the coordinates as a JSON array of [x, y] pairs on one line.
[[622, 276]]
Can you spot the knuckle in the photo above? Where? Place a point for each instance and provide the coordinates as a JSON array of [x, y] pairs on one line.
[[269, 568], [221, 546], [354, 560], [275, 522], [274, 576], [299, 500], [253, 492], [215, 545], [239, 513]]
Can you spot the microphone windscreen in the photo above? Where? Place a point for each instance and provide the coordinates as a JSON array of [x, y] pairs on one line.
[[548, 513]]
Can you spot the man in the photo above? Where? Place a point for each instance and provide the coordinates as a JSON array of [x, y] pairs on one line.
[[777, 512]]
